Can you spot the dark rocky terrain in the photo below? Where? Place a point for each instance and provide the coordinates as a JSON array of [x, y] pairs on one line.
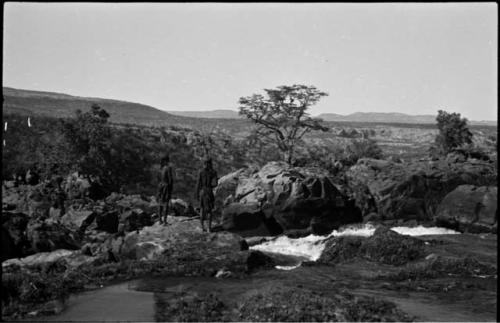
[[385, 277], [106, 253]]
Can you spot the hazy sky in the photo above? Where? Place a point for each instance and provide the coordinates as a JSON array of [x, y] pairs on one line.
[[410, 58]]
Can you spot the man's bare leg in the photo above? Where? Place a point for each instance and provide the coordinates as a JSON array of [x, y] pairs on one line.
[[202, 219], [210, 221], [166, 210]]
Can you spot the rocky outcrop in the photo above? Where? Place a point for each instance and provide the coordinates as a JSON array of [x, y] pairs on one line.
[[49, 235], [293, 198], [469, 208], [412, 190], [174, 239], [72, 258], [183, 246]]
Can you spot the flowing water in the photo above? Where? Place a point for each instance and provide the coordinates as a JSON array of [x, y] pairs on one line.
[[312, 246]]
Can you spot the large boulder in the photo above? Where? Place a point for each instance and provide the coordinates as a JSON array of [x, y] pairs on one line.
[[49, 235], [412, 190], [226, 188], [78, 219], [318, 204], [183, 240], [292, 197], [469, 208]]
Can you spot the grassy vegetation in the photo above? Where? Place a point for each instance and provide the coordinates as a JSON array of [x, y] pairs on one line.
[[385, 246], [303, 305]]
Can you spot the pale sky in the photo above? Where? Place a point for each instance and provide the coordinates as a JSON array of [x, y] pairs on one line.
[[409, 58]]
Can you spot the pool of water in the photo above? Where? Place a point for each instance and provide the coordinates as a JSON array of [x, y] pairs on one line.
[[113, 303]]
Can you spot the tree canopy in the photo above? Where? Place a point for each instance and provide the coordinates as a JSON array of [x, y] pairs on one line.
[[453, 131], [282, 115]]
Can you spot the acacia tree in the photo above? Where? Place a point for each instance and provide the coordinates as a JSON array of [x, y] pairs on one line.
[[453, 131], [282, 115]]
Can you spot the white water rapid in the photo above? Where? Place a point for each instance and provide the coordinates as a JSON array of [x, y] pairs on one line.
[[311, 246]]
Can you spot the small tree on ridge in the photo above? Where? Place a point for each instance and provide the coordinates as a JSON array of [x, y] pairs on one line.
[[453, 131]]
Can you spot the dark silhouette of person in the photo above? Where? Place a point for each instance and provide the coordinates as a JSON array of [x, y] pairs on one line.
[[207, 181], [165, 188]]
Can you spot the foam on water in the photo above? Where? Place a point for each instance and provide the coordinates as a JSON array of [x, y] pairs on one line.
[[287, 267], [421, 231], [311, 246]]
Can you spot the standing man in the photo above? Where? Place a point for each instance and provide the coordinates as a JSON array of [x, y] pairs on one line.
[[207, 181], [165, 188]]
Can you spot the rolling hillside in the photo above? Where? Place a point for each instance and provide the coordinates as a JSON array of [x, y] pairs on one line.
[[28, 102], [217, 114]]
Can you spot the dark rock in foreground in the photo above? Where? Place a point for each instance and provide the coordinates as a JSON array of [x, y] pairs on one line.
[[469, 208]]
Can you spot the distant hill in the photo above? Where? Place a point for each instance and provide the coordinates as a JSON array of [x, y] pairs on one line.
[[59, 105], [218, 114], [389, 117]]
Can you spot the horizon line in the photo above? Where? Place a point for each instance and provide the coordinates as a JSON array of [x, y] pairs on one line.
[[215, 109]]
